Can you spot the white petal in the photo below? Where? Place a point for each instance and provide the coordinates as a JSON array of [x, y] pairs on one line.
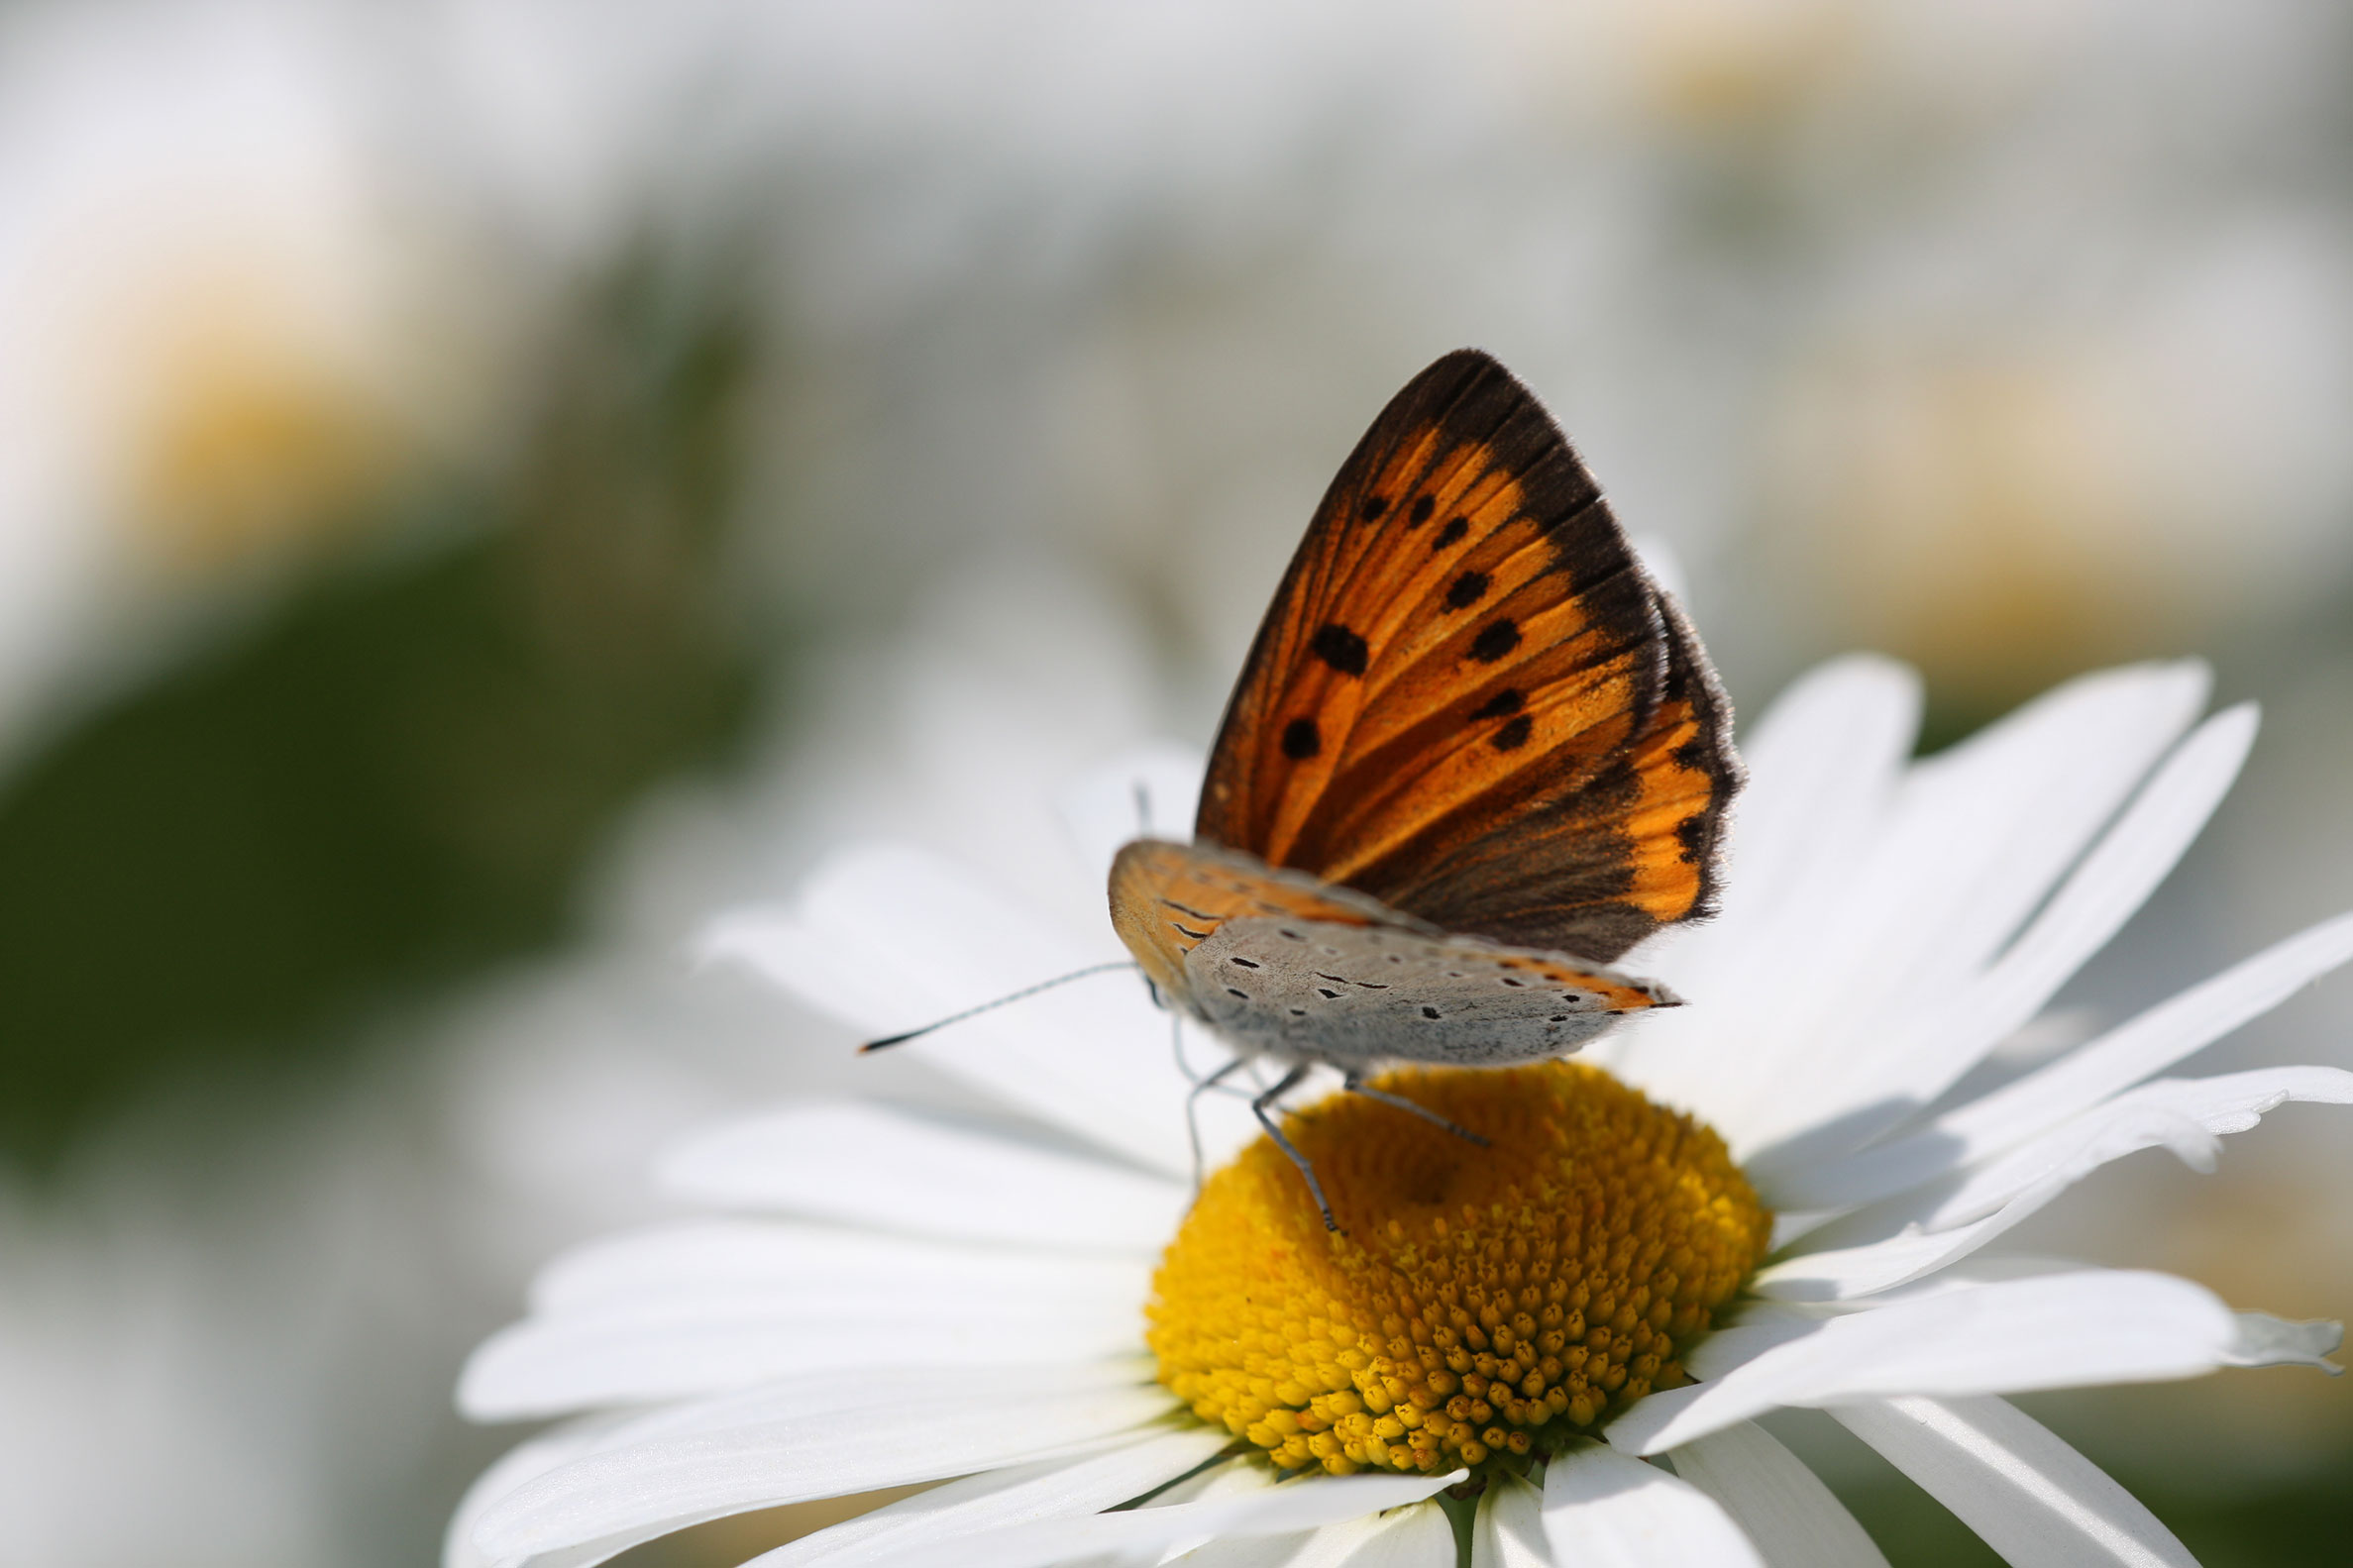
[[890, 938], [872, 1165], [1147, 792], [1418, 1535], [1054, 1489], [1979, 835], [701, 1259], [718, 1305], [2268, 1341], [2061, 1330], [809, 1437], [1760, 1326], [1270, 1510], [523, 1462], [2117, 1059], [2098, 895], [2028, 1494], [1608, 1509], [1819, 1271], [1912, 1234], [2185, 1116], [1823, 766], [1783, 1507], [1509, 1530]]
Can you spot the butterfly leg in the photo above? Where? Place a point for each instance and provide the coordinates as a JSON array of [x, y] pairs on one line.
[[1356, 1086], [1260, 1109], [1200, 1087]]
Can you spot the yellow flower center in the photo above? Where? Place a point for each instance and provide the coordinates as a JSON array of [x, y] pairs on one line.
[[1478, 1301]]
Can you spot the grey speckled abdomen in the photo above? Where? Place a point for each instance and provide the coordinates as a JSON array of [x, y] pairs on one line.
[[1353, 997]]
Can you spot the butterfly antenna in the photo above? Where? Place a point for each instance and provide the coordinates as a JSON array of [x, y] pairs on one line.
[[1017, 995]]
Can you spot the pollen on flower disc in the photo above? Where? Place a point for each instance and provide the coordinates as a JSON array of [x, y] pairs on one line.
[[1479, 1302]]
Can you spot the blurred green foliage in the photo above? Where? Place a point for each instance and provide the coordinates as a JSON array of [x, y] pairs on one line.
[[397, 776], [2297, 1525]]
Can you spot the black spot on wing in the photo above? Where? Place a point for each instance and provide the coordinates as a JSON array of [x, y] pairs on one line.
[[1467, 589], [1502, 705], [1301, 740], [1339, 648], [1514, 734], [1692, 834], [1451, 534], [1374, 506], [1495, 638], [1424, 505]]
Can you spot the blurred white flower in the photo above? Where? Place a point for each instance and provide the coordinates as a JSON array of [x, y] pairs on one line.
[[2002, 494], [898, 1298], [243, 309]]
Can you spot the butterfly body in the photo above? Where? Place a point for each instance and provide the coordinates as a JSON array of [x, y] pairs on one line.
[[1284, 966], [1474, 755]]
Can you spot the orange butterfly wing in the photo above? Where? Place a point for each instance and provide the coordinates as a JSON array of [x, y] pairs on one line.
[[1467, 700]]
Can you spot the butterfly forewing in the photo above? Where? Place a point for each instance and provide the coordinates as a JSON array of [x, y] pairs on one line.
[[1467, 701], [1607, 862]]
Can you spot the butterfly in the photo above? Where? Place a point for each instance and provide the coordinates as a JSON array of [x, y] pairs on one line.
[[1476, 754]]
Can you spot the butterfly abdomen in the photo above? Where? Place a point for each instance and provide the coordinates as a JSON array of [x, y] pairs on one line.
[[1351, 995]]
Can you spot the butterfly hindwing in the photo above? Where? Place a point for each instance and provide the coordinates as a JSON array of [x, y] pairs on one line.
[[1469, 700]]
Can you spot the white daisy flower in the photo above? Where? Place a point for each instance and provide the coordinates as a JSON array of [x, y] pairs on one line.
[[1772, 1197]]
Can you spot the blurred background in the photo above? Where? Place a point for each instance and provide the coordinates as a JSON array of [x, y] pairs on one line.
[[485, 482]]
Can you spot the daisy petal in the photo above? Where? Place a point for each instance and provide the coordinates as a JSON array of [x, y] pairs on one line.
[[2027, 1494], [696, 1309], [1913, 1234], [2052, 1332], [1783, 1507], [2268, 1341], [1147, 792], [2097, 897], [1823, 767], [1417, 1535], [2086, 1077], [872, 1165], [1607, 1510], [1978, 838], [702, 1258], [523, 1462], [1509, 1530], [804, 1438], [1827, 1273], [1268, 1511], [2185, 1116], [1054, 1489], [890, 938]]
